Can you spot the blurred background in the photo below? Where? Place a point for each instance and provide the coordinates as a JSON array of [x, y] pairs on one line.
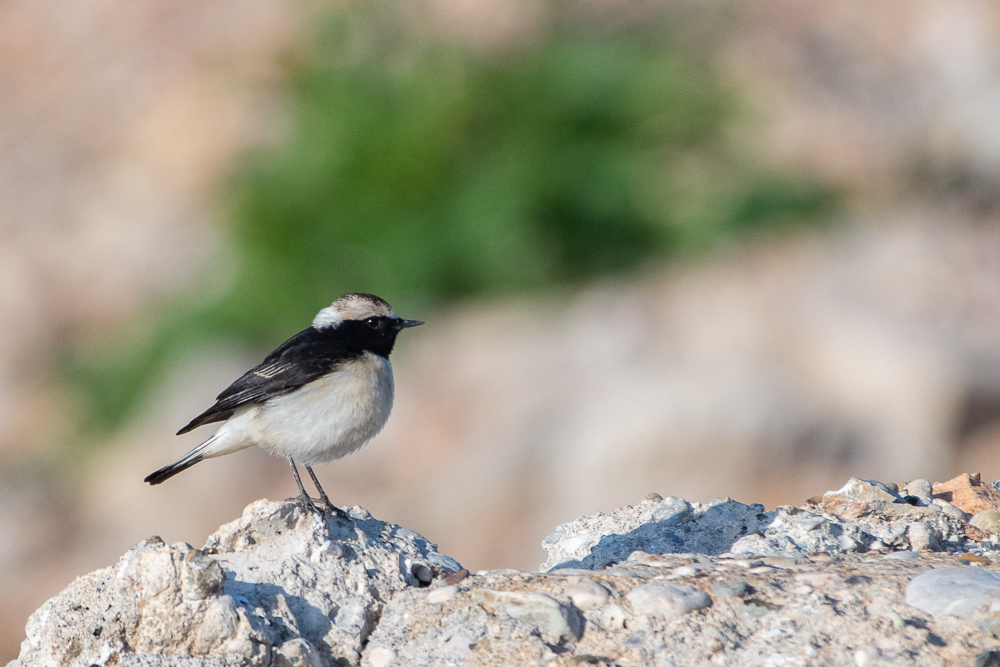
[[709, 249]]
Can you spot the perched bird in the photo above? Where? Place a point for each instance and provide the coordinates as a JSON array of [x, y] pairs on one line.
[[321, 395]]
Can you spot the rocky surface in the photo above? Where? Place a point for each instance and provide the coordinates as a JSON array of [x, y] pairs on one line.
[[873, 573]]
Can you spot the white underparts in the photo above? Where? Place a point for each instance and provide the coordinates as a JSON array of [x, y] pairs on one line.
[[324, 420]]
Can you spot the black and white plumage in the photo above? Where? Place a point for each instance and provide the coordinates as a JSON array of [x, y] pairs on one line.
[[321, 395]]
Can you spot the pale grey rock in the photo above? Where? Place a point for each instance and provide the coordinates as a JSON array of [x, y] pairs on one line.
[[654, 526], [988, 520], [554, 621], [442, 595], [667, 600], [920, 488], [587, 594], [951, 510], [866, 490], [277, 586], [953, 591], [922, 537], [734, 589]]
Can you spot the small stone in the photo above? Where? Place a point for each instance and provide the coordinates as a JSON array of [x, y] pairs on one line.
[[788, 509], [953, 591], [381, 656], [763, 569], [864, 490], [922, 537], [991, 625], [749, 564], [684, 571], [613, 617], [456, 577], [442, 595], [422, 573], [974, 559], [817, 578], [901, 555], [987, 520], [735, 589], [667, 600], [920, 488], [950, 510], [203, 576], [538, 609], [587, 594]]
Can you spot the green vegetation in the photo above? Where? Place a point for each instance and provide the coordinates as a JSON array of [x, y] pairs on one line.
[[423, 171]]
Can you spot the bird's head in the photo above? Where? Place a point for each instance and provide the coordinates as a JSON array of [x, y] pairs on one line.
[[364, 316]]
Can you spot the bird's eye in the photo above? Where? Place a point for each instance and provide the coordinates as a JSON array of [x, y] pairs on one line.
[[374, 322]]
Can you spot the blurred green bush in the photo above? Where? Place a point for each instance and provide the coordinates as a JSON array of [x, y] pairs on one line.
[[423, 171]]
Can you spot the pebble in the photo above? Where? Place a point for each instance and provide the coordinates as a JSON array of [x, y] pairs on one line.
[[901, 555], [735, 589], [538, 609], [667, 600], [991, 625], [441, 595], [381, 656], [685, 571], [952, 591], [922, 537], [817, 578], [950, 510], [988, 520], [763, 569], [920, 488], [973, 559], [587, 594], [749, 564], [613, 617]]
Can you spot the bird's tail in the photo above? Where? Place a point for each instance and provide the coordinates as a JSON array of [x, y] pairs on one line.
[[194, 456]]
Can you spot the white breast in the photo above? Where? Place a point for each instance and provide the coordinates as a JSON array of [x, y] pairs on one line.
[[330, 417]]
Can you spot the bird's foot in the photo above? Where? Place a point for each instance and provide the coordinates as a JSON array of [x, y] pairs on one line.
[[308, 504], [333, 509]]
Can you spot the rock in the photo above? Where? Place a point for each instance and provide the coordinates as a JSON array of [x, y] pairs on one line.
[[667, 525], [277, 585], [968, 493], [587, 594], [951, 510], [280, 587], [922, 537], [552, 619], [735, 589], [987, 520], [920, 488], [441, 595], [667, 600], [865, 490], [953, 591]]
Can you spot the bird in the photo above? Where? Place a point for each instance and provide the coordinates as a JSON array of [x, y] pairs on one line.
[[320, 396]]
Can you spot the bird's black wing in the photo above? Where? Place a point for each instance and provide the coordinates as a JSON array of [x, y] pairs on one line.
[[303, 358]]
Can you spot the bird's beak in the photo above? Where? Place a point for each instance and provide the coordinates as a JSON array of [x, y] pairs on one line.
[[404, 324]]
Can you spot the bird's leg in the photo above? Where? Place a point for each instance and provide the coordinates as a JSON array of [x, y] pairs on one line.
[[303, 498], [322, 494]]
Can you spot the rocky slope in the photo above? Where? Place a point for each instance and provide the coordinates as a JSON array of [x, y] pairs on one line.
[[869, 574]]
